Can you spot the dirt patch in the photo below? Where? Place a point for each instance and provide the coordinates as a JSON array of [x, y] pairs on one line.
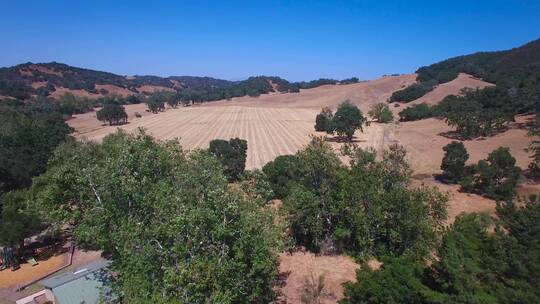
[[114, 90], [297, 267], [152, 89], [459, 202], [27, 273], [364, 94], [39, 84], [77, 93]]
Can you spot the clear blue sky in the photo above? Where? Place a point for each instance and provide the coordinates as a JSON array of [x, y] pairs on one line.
[[298, 40]]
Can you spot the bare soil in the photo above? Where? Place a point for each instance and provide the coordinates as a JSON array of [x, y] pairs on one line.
[[297, 267]]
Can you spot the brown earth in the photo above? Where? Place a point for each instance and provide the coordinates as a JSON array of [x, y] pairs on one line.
[[27, 273], [114, 90], [297, 267], [77, 93], [451, 88], [152, 89], [364, 94], [39, 84], [28, 71]]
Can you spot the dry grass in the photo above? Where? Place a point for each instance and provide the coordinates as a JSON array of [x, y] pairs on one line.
[[299, 266]]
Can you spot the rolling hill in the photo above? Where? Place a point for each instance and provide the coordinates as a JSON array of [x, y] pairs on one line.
[[517, 69]]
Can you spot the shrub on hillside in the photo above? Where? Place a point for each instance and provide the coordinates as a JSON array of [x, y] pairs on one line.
[[412, 92], [416, 112], [381, 112]]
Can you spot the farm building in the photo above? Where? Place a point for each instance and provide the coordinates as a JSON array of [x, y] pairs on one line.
[[84, 285]]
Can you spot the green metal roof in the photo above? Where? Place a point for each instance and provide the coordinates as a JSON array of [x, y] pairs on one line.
[[84, 285]]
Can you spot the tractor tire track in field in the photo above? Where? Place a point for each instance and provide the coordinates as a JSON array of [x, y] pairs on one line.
[[270, 132]]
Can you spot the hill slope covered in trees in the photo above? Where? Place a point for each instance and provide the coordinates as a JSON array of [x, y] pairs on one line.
[[517, 70], [44, 79]]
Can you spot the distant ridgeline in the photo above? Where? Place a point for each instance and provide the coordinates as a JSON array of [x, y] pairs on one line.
[[29, 80], [515, 72]]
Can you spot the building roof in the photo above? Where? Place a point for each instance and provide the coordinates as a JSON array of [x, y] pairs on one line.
[[84, 285]]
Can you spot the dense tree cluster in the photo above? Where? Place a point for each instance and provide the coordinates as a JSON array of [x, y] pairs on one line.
[[472, 264], [412, 92], [381, 112], [29, 133], [232, 154], [365, 209], [495, 177], [417, 112], [347, 119], [324, 121], [112, 113], [476, 113], [516, 73], [156, 103], [174, 229], [534, 148]]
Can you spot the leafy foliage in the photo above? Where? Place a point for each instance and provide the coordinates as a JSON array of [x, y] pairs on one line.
[[477, 113], [366, 209], [324, 121], [416, 112], [281, 173], [472, 265], [496, 177], [29, 133], [534, 147], [412, 92], [114, 114], [453, 162], [174, 229], [347, 119], [231, 154], [381, 113], [155, 103], [17, 220]]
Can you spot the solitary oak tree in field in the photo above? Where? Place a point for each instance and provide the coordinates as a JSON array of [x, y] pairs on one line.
[[348, 119], [112, 113], [453, 162]]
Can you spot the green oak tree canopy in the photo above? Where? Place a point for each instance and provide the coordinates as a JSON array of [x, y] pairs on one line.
[[174, 229], [324, 121], [347, 119], [381, 112], [231, 154], [112, 113], [453, 162]]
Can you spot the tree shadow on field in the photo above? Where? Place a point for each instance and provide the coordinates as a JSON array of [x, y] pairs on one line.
[[116, 124], [526, 124], [343, 139]]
